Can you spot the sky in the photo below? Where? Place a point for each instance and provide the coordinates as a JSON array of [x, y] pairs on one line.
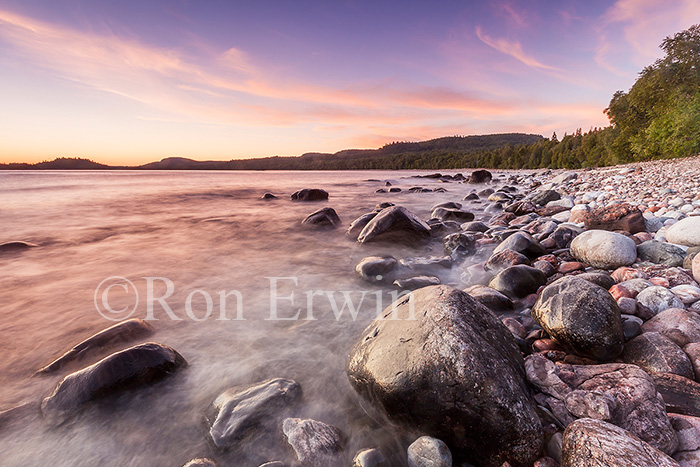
[[133, 81]]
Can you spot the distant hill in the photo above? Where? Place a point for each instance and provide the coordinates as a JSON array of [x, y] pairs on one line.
[[447, 152]]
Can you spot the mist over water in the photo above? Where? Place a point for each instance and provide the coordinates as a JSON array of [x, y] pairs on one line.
[[204, 231]]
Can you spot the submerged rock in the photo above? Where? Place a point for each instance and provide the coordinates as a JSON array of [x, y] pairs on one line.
[[315, 443], [480, 176], [268, 196], [395, 224], [454, 366], [377, 269], [133, 367], [125, 331], [582, 317], [518, 281], [523, 243], [241, 410], [310, 194], [416, 282], [324, 217], [9, 247], [358, 224]]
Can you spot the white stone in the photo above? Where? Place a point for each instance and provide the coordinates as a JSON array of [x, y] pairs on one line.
[[603, 249], [688, 294], [685, 232]]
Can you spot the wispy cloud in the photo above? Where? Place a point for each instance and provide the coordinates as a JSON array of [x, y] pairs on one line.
[[512, 48]]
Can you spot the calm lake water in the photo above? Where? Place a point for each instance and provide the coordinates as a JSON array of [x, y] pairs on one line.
[[205, 231]]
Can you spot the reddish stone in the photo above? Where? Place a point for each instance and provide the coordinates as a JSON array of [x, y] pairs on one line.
[[570, 266], [550, 259], [624, 274], [549, 211], [618, 291], [661, 281], [545, 462], [675, 276], [643, 236], [622, 216], [578, 215], [545, 344]]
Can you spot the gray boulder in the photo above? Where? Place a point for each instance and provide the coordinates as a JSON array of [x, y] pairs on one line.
[[523, 243], [685, 232], [582, 317], [377, 269], [324, 217], [395, 224], [241, 410], [656, 299], [603, 249], [358, 224], [454, 366], [459, 244], [134, 367], [661, 253], [448, 214]]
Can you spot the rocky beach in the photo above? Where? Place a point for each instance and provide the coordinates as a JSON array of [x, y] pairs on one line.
[[550, 318]]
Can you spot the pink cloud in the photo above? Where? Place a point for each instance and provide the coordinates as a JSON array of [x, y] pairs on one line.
[[512, 48]]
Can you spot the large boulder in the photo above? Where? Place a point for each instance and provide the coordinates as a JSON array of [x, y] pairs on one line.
[[129, 330], [603, 249], [450, 214], [395, 224], [622, 216], [241, 410], [324, 217], [459, 244], [490, 298], [543, 197], [582, 317], [480, 176], [453, 372], [310, 194], [133, 367], [595, 443], [497, 262], [685, 232]]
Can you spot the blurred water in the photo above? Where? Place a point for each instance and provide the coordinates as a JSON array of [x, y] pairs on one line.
[[201, 230]]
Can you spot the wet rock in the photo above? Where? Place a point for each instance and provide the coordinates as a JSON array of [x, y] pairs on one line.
[[564, 235], [369, 458], [474, 226], [657, 299], [661, 253], [490, 298], [685, 232], [242, 410], [545, 266], [581, 316], [397, 225], [200, 462], [622, 216], [680, 394], [603, 249], [310, 194], [404, 367], [505, 259], [596, 443], [545, 196], [677, 324], [358, 224], [129, 330], [324, 217], [655, 353], [634, 286], [459, 244], [416, 282], [518, 281], [427, 265], [11, 247], [429, 452], [315, 443], [480, 176], [471, 197], [631, 326], [523, 243], [268, 196], [446, 214], [384, 205], [377, 269], [394, 189], [447, 205], [130, 368]]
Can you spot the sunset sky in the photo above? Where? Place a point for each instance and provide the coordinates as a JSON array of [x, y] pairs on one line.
[[131, 81]]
